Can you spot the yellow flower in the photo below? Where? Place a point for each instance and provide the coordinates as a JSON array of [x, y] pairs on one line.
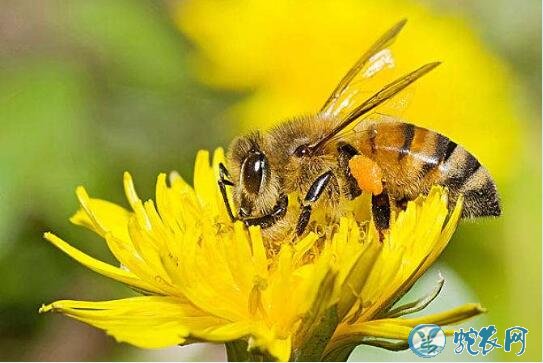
[[291, 54], [204, 278]]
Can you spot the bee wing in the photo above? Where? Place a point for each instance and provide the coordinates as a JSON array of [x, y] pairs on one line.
[[370, 105], [355, 85], [360, 128]]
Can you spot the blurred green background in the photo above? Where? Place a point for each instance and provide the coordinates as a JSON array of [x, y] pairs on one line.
[[89, 89]]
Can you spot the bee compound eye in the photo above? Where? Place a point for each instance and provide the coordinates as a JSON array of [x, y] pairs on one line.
[[252, 172], [302, 150]]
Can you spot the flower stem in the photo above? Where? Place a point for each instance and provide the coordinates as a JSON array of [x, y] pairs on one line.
[[237, 351]]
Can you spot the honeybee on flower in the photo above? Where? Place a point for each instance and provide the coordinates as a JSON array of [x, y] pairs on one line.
[[346, 149], [207, 276]]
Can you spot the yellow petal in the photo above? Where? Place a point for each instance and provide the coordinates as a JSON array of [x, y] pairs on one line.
[[101, 216], [102, 268], [144, 321], [205, 184], [417, 238], [258, 251], [375, 329], [135, 201], [278, 348], [448, 317], [215, 280], [104, 218], [160, 321], [399, 328], [446, 235], [357, 276]]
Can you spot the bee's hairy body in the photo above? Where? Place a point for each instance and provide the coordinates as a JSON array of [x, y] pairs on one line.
[[412, 160], [331, 157], [288, 173]]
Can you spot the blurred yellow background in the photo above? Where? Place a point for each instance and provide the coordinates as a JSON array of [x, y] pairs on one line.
[[89, 89]]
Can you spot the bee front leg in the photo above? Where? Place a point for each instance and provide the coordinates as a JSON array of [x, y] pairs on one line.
[[223, 182], [269, 220], [313, 194]]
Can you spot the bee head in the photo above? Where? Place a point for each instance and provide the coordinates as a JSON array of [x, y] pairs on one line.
[[256, 184]]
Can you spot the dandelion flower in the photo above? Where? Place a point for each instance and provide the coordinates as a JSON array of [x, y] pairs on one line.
[[203, 278]]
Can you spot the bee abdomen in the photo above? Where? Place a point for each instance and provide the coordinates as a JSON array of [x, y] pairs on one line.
[[464, 175], [414, 158]]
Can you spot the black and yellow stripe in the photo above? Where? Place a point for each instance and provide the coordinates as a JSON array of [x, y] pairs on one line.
[[415, 158]]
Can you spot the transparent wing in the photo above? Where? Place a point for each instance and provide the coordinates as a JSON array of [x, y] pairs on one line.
[[371, 104], [367, 75], [361, 129]]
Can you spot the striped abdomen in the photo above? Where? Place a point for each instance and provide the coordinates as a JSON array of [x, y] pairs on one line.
[[414, 158]]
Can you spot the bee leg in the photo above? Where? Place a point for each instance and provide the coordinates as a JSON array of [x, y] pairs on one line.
[[346, 153], [380, 202], [380, 208], [313, 194], [303, 220], [401, 203], [269, 220], [223, 182]]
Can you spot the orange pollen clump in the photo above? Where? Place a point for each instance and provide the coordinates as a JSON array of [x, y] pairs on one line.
[[367, 173]]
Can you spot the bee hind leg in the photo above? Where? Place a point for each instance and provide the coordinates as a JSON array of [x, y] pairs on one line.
[[313, 194], [380, 203], [380, 208], [346, 153], [401, 203]]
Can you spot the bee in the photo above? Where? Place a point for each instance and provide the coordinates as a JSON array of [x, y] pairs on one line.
[[340, 152]]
